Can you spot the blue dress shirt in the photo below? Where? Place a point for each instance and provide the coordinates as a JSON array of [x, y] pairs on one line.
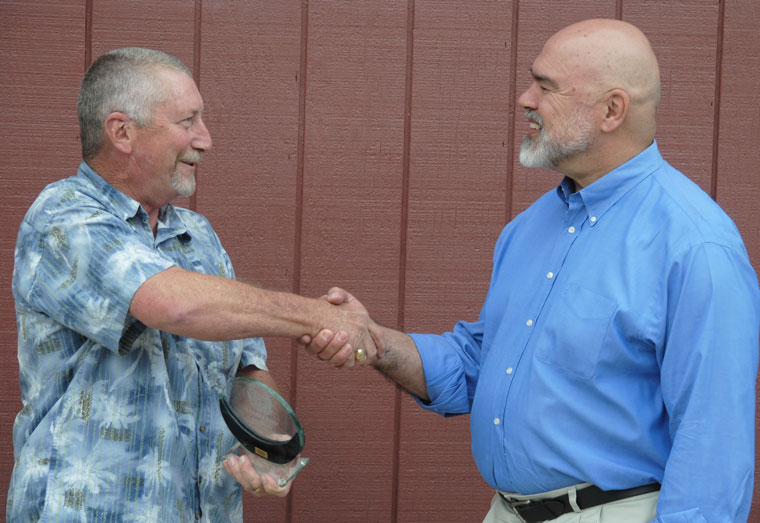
[[119, 422], [617, 345]]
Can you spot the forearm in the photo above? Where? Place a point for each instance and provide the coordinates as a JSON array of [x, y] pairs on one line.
[[401, 361], [257, 374], [215, 308]]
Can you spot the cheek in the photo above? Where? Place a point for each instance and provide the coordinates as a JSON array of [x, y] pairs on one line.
[[181, 143], [554, 116]]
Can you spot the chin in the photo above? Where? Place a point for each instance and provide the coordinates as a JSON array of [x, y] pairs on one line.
[[532, 155], [185, 186]]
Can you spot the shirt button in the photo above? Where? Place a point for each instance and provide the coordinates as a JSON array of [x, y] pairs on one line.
[[529, 323], [550, 275], [496, 421], [593, 219], [571, 230], [202, 428], [509, 370]]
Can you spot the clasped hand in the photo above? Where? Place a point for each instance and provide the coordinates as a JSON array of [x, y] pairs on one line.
[[339, 347]]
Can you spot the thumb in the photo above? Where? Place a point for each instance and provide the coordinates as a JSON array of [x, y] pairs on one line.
[[336, 296]]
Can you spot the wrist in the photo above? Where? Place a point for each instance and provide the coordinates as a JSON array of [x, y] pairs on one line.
[[326, 317], [377, 333]]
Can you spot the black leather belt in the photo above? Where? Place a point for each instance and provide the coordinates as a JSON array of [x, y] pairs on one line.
[[536, 510]]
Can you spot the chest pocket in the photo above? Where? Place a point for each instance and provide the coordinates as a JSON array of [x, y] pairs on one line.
[[574, 329]]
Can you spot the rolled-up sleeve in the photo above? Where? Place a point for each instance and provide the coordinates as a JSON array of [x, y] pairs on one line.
[[451, 363]]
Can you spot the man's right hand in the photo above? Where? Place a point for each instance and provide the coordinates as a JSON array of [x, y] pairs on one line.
[[392, 352], [334, 346]]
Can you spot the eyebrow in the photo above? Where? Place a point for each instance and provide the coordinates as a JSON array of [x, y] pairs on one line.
[[543, 79]]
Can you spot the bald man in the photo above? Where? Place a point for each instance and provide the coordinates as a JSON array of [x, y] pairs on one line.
[[611, 374]]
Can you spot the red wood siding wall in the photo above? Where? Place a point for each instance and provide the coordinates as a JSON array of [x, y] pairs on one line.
[[372, 145]]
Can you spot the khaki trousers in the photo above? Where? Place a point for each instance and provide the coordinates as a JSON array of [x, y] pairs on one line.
[[638, 509]]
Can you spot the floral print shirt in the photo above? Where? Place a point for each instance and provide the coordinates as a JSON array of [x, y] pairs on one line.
[[120, 422]]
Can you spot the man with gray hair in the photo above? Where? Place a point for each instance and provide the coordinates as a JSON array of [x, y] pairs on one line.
[[130, 321]]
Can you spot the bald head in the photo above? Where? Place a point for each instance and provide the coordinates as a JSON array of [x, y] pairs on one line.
[[592, 102], [609, 54]]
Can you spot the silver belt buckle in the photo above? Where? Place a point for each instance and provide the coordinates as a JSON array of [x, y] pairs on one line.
[[514, 504]]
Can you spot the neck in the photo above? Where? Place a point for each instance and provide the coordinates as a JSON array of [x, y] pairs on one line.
[[118, 176], [588, 167]]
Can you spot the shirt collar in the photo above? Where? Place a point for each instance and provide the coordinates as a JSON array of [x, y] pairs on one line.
[[169, 222], [607, 190], [119, 203]]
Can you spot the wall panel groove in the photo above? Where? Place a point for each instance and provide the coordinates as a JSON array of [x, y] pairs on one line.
[[403, 251], [716, 100]]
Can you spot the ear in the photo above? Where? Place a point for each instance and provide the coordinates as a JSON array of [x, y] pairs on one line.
[[118, 132], [616, 105]]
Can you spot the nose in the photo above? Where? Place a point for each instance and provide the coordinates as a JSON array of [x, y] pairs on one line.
[[202, 139], [527, 100]]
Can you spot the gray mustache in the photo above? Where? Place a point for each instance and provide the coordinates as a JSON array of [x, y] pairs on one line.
[[194, 157], [533, 115]]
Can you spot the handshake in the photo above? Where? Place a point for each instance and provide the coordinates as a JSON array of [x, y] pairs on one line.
[[353, 341]]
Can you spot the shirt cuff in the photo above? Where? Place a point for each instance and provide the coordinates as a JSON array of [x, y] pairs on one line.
[[254, 353], [444, 376], [693, 515]]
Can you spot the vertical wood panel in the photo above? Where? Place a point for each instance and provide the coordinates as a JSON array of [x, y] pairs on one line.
[[739, 132], [739, 154], [457, 184], [41, 61], [352, 188], [167, 25], [249, 63], [684, 41]]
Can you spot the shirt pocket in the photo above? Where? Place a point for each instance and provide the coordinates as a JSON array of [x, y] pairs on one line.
[[574, 329]]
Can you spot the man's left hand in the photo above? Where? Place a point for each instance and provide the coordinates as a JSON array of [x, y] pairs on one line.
[[241, 468]]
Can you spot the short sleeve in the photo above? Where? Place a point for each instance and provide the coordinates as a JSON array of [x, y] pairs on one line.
[[82, 267]]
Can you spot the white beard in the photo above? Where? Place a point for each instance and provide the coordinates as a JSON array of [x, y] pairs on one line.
[[185, 186], [569, 137]]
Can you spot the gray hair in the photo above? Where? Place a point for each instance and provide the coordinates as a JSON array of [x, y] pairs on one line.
[[122, 80]]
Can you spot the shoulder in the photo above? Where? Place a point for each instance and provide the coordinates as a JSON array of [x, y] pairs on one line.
[[690, 211], [63, 202]]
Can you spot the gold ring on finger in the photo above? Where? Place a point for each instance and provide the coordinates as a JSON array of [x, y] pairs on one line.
[[360, 354]]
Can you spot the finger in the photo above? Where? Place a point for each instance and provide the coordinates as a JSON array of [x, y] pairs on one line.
[[336, 296], [338, 348], [335, 345], [252, 480], [240, 468], [344, 357], [320, 341], [304, 340], [367, 353], [271, 488]]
